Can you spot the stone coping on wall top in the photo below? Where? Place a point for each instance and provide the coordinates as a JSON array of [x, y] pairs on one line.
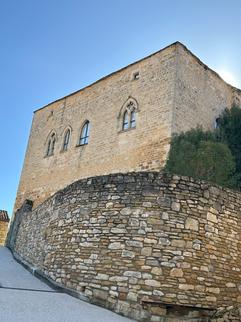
[[4, 216]]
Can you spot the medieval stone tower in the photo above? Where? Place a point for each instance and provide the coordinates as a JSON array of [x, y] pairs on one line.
[[151, 246], [122, 122]]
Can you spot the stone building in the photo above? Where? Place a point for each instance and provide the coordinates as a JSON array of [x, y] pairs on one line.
[[122, 122], [97, 217], [4, 220]]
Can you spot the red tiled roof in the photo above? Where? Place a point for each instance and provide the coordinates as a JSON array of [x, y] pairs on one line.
[[4, 215]]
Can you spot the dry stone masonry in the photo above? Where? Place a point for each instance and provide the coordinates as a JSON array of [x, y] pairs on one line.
[[149, 245]]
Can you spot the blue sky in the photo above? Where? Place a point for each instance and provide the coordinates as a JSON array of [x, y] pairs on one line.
[[50, 48]]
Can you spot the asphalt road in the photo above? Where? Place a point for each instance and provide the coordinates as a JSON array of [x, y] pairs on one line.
[[24, 298]]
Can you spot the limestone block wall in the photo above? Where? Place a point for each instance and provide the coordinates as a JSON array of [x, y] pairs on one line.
[[109, 149], [201, 94], [139, 243]]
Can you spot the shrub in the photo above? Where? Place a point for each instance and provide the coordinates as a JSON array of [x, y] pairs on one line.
[[198, 154], [229, 132], [214, 162]]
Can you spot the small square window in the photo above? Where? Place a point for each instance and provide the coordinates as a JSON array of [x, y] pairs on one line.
[[136, 75]]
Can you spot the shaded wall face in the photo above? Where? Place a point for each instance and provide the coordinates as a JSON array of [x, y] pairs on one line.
[[110, 149], [134, 241], [200, 95], [3, 232]]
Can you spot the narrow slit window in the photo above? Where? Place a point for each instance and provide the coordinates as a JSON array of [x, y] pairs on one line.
[[66, 140], [125, 121], [84, 138], [133, 119]]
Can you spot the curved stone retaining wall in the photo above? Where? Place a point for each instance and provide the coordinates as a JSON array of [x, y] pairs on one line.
[[137, 242]]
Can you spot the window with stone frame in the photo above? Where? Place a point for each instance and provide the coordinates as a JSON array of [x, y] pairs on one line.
[[85, 132], [51, 145], [66, 140], [129, 116]]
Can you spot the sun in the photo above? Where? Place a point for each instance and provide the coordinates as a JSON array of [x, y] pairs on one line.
[[228, 77]]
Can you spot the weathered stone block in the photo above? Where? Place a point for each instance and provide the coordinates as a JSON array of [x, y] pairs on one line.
[[127, 253], [136, 274], [176, 206], [147, 251], [153, 283], [186, 287], [100, 294], [178, 243], [115, 245], [211, 217], [176, 272], [192, 224]]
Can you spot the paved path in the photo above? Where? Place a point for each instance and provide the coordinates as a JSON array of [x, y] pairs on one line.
[[34, 301]]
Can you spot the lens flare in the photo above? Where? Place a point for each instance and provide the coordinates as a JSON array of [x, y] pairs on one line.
[[228, 77]]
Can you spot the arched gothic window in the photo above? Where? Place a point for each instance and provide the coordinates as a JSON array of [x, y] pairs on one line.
[[85, 132], [51, 145], [66, 140], [129, 115]]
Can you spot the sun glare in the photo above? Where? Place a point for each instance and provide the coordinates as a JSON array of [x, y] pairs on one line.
[[228, 77]]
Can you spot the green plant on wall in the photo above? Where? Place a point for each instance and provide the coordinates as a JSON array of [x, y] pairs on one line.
[[197, 153], [229, 132]]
